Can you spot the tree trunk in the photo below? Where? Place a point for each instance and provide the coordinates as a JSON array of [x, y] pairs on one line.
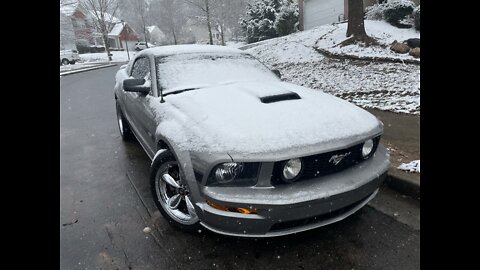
[[356, 26], [207, 8], [145, 34], [174, 36], [107, 47], [222, 35], [300, 15]]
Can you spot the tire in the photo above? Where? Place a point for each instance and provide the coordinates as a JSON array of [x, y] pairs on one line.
[[179, 216], [65, 61], [123, 125]]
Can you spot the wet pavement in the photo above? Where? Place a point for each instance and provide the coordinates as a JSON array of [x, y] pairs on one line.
[[105, 204]]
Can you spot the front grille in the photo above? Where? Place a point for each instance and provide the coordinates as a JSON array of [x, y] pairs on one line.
[[285, 225], [324, 164]]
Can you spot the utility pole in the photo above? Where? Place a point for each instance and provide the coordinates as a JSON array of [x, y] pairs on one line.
[[126, 44]]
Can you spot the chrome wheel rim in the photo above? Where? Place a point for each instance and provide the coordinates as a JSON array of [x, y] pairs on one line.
[[173, 194], [120, 122]]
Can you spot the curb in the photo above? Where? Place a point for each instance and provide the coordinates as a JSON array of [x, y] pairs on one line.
[[85, 69], [404, 185]]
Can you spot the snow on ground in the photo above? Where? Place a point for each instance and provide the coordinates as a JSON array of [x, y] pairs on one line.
[[382, 31], [235, 44], [413, 166], [118, 56], [77, 66], [385, 86]]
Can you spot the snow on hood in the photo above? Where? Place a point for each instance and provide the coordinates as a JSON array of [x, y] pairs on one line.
[[232, 119]]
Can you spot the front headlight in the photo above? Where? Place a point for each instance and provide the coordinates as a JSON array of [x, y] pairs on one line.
[[367, 148], [234, 174], [226, 172]]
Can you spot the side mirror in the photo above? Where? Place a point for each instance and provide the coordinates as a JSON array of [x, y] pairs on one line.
[[136, 85], [277, 72]]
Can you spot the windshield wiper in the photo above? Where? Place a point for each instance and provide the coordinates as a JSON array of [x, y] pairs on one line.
[[181, 91]]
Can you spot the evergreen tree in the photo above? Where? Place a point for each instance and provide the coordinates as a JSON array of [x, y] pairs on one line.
[[269, 18]]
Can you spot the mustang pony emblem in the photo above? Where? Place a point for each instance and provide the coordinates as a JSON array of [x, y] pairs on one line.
[[335, 159]]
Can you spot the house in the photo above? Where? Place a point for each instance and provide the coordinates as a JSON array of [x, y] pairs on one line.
[[67, 35], [122, 35], [320, 12], [156, 36], [196, 29], [74, 25], [77, 29]]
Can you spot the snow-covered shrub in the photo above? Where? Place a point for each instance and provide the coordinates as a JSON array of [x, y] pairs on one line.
[[259, 22], [397, 10], [268, 19], [416, 17], [286, 18], [375, 12], [82, 46]]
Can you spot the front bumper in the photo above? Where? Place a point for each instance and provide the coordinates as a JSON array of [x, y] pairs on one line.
[[296, 207]]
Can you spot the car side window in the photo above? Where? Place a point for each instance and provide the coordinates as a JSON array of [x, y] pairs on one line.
[[141, 68]]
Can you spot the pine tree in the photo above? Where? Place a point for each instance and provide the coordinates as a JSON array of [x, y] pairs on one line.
[[287, 18], [268, 19]]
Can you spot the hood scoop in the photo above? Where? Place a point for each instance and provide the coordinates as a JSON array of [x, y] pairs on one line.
[[281, 97]]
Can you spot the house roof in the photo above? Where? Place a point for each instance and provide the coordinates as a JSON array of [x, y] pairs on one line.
[[116, 30], [151, 28], [68, 9]]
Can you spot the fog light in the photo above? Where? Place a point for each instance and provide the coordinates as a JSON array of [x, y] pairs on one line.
[[292, 169], [367, 148]]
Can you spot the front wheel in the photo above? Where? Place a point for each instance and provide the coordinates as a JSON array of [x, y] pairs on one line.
[[171, 194], [65, 61], [123, 126]]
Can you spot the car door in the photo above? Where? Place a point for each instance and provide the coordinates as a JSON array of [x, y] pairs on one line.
[[142, 116]]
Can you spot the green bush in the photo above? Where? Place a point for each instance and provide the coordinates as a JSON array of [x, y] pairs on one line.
[[398, 10], [416, 17]]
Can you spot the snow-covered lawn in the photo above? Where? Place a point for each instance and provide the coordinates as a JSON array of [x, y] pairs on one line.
[[385, 86], [413, 166], [382, 31], [235, 44], [117, 56]]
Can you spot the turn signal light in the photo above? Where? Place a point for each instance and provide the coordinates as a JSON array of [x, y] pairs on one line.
[[232, 209]]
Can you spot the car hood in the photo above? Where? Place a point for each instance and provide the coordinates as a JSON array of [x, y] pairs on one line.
[[264, 118]]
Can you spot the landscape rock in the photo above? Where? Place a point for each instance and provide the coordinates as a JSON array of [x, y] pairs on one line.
[[413, 42], [399, 47], [415, 52]]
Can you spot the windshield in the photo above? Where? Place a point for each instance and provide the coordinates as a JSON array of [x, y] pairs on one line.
[[182, 71]]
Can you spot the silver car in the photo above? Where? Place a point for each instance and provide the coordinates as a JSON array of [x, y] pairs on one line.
[[237, 151]]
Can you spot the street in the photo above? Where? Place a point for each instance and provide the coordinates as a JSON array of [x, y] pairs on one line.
[[105, 203]]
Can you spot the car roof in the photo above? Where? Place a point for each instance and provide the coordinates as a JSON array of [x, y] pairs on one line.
[[191, 48]]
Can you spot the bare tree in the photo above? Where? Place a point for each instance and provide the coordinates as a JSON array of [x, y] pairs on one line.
[[206, 7], [103, 12], [227, 14], [169, 16], [356, 26], [140, 8]]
